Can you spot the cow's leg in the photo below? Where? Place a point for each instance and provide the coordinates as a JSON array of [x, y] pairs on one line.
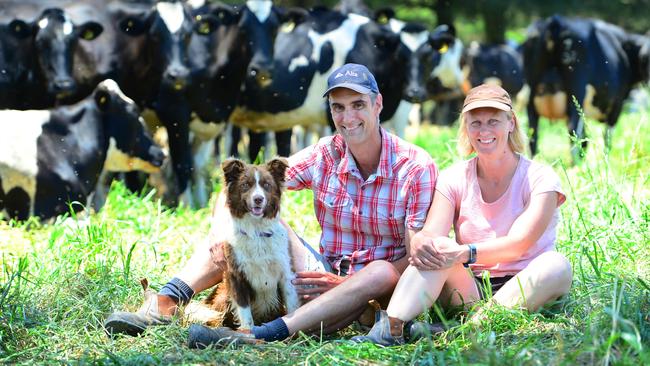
[[255, 142], [283, 142], [533, 123], [612, 118], [235, 135], [175, 116], [202, 152]]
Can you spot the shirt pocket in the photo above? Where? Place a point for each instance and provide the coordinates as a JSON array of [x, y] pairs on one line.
[[337, 206], [392, 221]]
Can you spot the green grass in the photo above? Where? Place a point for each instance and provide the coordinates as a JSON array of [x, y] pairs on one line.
[[59, 281]]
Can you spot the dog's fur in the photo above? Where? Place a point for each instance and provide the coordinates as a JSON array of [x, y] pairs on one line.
[[257, 284]]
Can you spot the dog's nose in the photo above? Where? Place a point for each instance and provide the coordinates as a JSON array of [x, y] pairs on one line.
[[258, 200]]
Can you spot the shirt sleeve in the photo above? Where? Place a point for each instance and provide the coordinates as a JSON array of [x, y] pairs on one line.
[[448, 184], [545, 180], [299, 175], [420, 196]]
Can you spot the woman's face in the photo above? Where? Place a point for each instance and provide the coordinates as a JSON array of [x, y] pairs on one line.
[[488, 129]]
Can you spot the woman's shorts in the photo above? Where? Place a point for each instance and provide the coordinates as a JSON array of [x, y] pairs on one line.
[[494, 285]]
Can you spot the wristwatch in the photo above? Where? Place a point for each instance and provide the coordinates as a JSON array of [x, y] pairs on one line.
[[472, 255]]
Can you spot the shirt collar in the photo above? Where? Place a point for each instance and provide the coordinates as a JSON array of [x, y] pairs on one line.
[[347, 165]]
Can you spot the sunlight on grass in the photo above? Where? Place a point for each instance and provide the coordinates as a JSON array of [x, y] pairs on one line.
[[59, 280]]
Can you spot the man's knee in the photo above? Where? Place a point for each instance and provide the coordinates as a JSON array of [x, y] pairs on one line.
[[383, 276]]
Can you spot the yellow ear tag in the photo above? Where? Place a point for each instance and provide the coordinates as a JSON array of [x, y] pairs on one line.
[[130, 24], [444, 48], [88, 34], [198, 18], [288, 27], [204, 28], [18, 28], [102, 100], [382, 19]]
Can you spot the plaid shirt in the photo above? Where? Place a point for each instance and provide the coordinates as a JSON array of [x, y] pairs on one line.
[[363, 221]]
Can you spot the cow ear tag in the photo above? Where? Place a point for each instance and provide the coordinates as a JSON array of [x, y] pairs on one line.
[[204, 28], [444, 48], [383, 19], [288, 27], [88, 34]]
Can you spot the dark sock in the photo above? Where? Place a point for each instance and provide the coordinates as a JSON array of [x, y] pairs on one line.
[[275, 330], [178, 290]]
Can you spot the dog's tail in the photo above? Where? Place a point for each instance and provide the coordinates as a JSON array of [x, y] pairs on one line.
[[198, 312]]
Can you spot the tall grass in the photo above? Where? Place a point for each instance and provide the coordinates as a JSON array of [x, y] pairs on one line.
[[59, 281]]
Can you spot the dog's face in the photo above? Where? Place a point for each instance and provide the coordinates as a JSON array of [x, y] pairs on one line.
[[254, 189]]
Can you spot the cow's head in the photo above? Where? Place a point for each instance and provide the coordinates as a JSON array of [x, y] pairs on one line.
[[447, 58], [421, 46], [55, 40], [15, 47], [167, 28], [258, 24], [130, 146]]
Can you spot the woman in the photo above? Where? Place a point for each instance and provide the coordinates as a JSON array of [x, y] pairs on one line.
[[504, 211]]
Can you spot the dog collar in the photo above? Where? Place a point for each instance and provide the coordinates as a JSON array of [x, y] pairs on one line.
[[263, 234]]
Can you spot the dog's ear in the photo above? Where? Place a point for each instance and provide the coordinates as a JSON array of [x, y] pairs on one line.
[[277, 167], [232, 169]]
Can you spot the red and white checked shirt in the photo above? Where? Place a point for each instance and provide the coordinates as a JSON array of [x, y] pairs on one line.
[[363, 221]]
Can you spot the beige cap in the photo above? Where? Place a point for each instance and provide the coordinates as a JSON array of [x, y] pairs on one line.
[[487, 95]]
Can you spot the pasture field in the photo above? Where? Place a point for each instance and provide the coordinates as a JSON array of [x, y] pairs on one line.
[[58, 282]]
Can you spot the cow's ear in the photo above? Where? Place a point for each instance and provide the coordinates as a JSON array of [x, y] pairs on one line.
[[387, 41], [20, 29], [442, 38], [205, 24], [383, 15], [102, 99], [232, 170], [133, 26], [224, 14], [277, 168], [90, 30], [292, 17]]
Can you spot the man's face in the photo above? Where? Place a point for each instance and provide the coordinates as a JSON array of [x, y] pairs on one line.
[[354, 114]]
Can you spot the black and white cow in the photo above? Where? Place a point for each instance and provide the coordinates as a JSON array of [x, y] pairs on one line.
[[306, 51], [153, 46], [55, 38], [494, 63], [15, 58], [594, 61], [49, 158], [241, 46]]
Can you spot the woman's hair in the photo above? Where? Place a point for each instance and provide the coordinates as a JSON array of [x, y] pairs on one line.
[[516, 138]]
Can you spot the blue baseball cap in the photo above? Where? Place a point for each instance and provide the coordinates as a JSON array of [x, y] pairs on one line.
[[352, 76]]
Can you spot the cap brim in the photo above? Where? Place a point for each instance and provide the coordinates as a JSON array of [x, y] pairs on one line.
[[486, 104], [357, 88]]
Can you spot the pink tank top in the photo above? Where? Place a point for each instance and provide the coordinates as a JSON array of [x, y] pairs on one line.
[[476, 221]]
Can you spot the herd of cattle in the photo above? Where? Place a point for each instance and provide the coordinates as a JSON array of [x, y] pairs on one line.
[[76, 77]]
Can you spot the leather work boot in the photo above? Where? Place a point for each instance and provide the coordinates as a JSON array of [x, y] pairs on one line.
[[417, 330], [380, 332], [133, 324], [201, 337]]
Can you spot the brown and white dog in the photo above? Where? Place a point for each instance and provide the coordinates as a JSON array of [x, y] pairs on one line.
[[257, 284]]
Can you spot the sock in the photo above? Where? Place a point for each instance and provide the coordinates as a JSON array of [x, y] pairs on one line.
[[275, 330], [179, 290]]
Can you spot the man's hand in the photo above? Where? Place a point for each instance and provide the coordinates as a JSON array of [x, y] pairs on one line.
[[424, 255], [218, 257], [310, 284]]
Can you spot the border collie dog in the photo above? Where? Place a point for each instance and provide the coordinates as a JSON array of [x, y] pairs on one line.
[[257, 284]]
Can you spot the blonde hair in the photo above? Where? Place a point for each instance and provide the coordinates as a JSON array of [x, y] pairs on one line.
[[516, 138]]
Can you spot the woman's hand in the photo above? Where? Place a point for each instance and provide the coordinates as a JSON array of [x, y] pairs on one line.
[[424, 255], [310, 284]]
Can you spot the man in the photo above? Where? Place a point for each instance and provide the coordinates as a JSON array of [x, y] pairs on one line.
[[372, 191]]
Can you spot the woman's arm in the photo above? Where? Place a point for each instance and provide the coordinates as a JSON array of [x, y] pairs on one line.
[[423, 253], [524, 232]]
